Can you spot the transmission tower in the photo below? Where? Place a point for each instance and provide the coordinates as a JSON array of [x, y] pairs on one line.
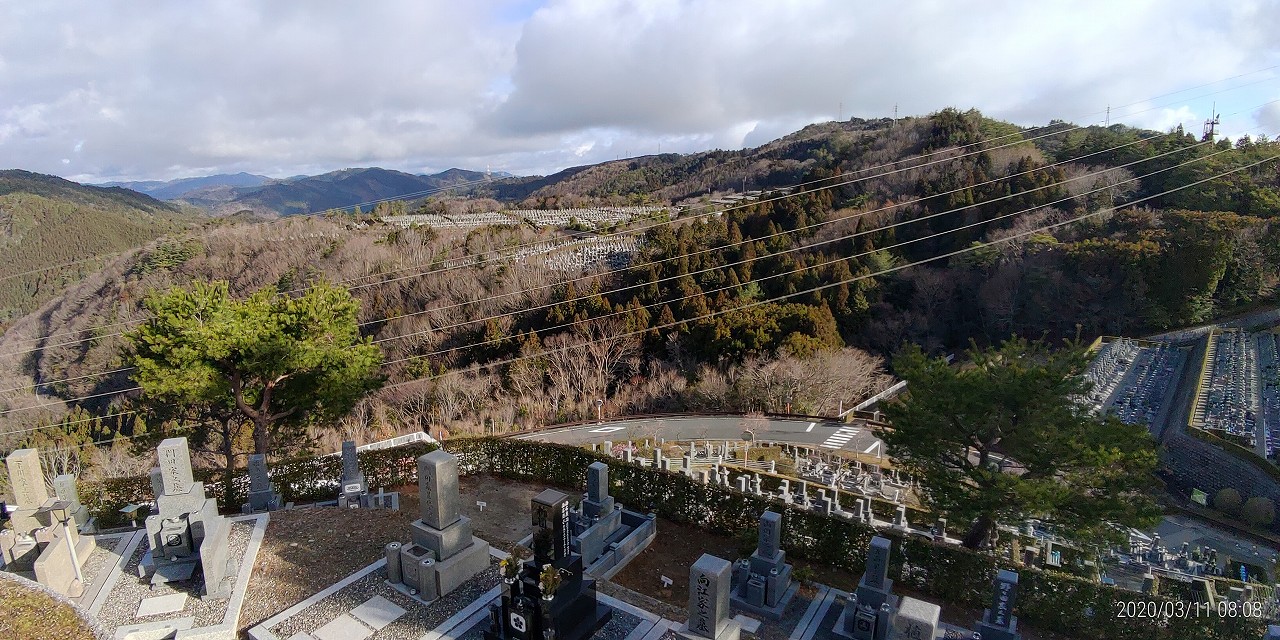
[[1211, 125]]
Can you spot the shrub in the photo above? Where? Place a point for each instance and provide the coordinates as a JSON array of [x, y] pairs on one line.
[[1227, 501], [1259, 511]]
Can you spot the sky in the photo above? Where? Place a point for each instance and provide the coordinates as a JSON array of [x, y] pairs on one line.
[[102, 90]]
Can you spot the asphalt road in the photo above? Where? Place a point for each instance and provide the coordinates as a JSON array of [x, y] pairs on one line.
[[854, 437]]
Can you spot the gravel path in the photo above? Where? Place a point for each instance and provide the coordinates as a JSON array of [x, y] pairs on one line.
[[417, 621]]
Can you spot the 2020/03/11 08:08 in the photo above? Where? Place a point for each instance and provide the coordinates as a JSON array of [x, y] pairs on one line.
[[1181, 609]]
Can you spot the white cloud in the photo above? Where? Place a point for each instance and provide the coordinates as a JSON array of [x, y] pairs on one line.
[[158, 90]]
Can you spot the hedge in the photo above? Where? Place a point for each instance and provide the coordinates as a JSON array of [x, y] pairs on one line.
[[1048, 600]]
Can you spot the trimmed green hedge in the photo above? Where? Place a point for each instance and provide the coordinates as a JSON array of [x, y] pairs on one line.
[[1048, 600]]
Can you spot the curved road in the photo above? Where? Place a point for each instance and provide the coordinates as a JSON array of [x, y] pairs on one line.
[[823, 435]]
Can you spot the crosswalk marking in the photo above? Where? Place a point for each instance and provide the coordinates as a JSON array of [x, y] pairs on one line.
[[841, 437]]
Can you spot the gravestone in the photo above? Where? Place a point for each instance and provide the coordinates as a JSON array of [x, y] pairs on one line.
[[868, 612], [998, 622], [26, 481], [185, 533], [353, 491], [262, 493], [762, 583], [65, 488], [604, 533], [709, 587], [442, 553], [40, 547], [530, 609]]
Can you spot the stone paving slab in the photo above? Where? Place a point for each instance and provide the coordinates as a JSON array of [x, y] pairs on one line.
[[378, 612], [162, 604], [344, 627]]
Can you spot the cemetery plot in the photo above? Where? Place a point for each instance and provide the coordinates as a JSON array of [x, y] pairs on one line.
[[1134, 380], [1268, 345], [127, 602], [1228, 399], [594, 217]]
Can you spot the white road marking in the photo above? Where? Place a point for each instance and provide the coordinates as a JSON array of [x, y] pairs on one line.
[[810, 427], [874, 445], [841, 437], [607, 429]]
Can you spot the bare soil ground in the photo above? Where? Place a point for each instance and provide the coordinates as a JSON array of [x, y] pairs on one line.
[[306, 550]]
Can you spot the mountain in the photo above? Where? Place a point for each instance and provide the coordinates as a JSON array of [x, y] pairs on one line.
[[178, 189], [342, 189], [46, 221], [673, 177]]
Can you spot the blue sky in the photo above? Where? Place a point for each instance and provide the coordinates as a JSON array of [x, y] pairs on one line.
[[99, 91]]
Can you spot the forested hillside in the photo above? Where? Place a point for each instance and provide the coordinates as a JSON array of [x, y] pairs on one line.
[[47, 221], [787, 304]]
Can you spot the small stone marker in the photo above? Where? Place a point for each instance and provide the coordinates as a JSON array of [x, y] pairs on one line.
[[666, 582], [482, 504]]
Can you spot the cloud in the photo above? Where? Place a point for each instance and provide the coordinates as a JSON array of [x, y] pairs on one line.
[[160, 90]]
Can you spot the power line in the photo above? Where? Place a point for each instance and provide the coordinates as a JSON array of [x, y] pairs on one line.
[[710, 249], [710, 211], [975, 246], [639, 285], [776, 275], [805, 268], [839, 238]]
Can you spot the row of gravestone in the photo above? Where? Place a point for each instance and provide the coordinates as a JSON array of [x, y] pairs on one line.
[[871, 612]]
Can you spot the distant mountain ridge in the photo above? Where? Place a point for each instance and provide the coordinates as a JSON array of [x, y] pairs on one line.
[[176, 189], [342, 189], [226, 194]]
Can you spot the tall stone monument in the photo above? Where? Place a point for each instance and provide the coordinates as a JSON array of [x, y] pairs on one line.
[[186, 531], [710, 581], [442, 553], [604, 533], [550, 597], [762, 583], [998, 622], [868, 613], [353, 491], [263, 495]]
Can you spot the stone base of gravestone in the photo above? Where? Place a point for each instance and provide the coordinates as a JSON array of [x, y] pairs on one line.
[[916, 620], [440, 577], [990, 632], [732, 630], [54, 568]]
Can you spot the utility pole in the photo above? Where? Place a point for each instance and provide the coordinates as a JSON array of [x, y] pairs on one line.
[[1108, 116], [895, 116], [841, 118]]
